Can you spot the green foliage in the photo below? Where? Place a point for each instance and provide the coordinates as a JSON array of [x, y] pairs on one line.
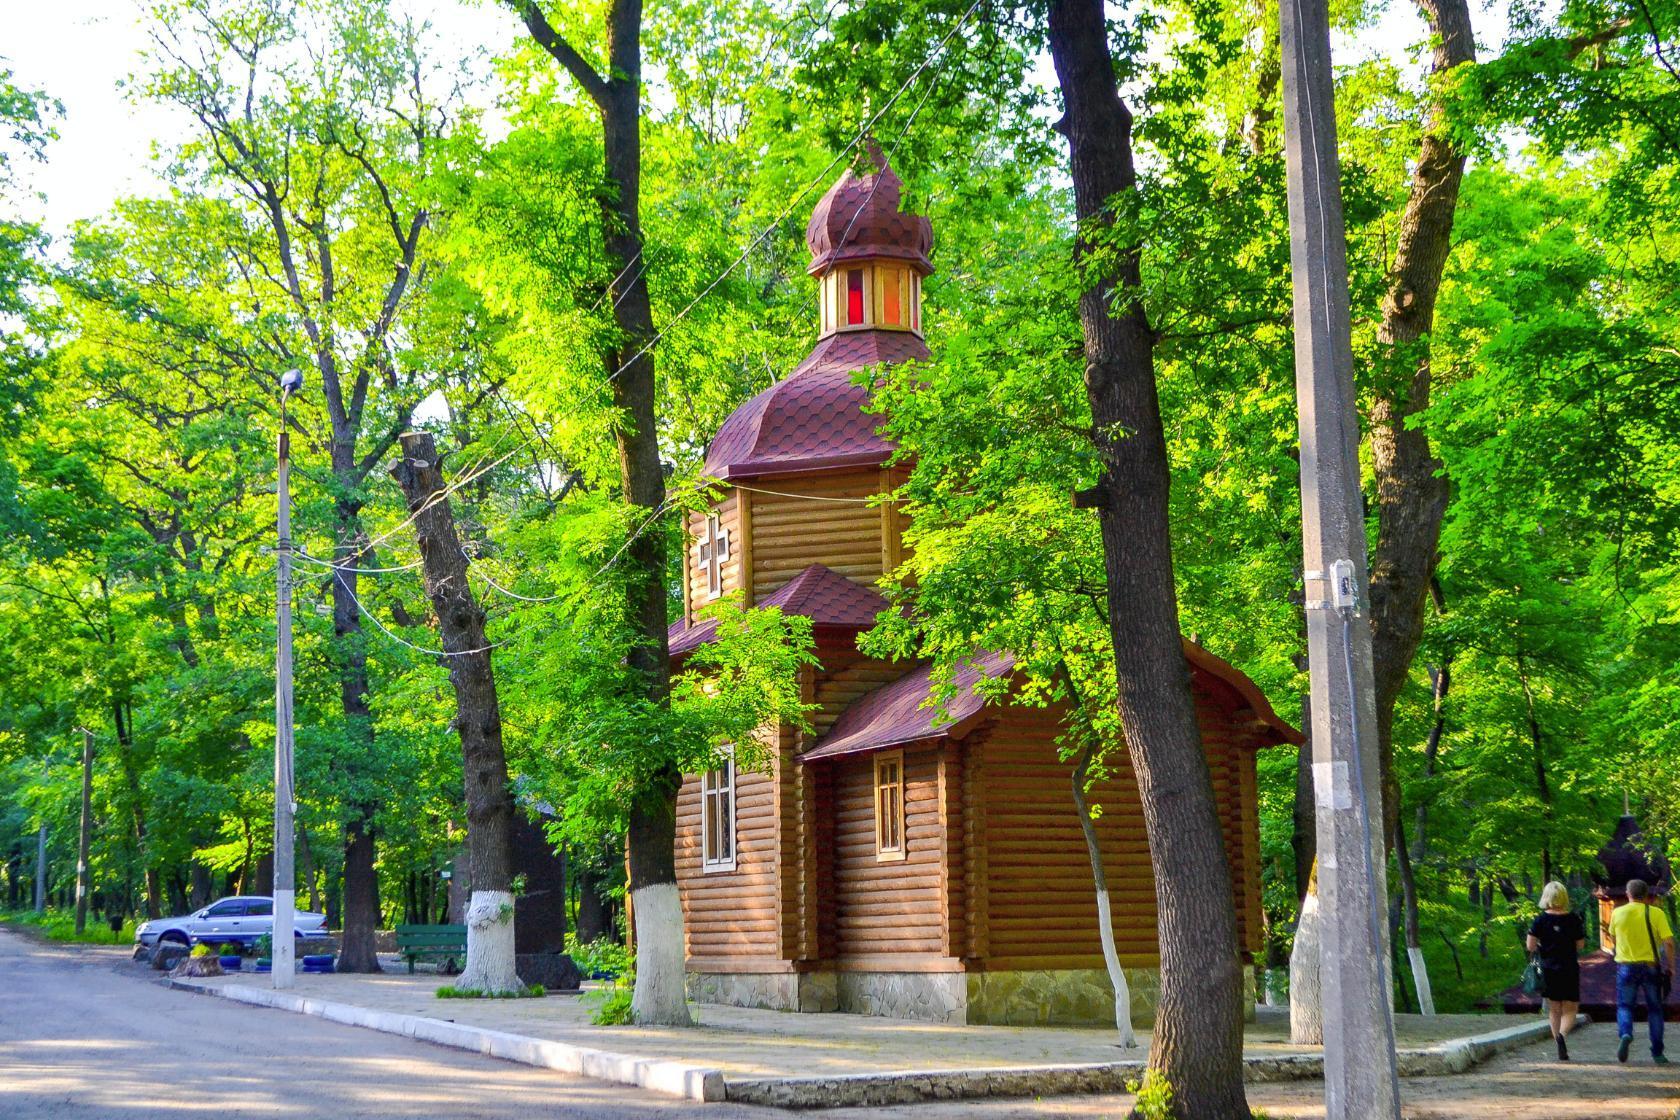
[[60, 925], [610, 1006], [449, 991], [1154, 1097], [601, 955], [137, 423]]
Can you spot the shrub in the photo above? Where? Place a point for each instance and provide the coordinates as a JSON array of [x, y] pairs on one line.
[[450, 991], [610, 1006], [60, 925], [231, 949], [1154, 1097], [203, 950], [600, 955]]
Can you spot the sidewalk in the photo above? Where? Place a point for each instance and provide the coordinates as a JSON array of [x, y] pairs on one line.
[[796, 1060]]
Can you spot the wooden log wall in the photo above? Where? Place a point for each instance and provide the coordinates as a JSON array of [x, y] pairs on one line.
[[1038, 908], [815, 519], [731, 913], [846, 675], [696, 591], [895, 906]]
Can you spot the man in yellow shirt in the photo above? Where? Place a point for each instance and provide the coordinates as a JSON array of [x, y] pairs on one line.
[[1640, 930]]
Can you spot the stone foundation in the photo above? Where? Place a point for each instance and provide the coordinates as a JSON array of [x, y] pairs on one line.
[[1062, 997], [937, 997], [771, 991]]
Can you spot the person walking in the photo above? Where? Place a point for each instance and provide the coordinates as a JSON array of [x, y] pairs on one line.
[[1558, 935], [1641, 932]]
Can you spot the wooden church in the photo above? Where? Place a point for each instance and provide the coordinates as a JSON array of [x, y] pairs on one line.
[[895, 860]]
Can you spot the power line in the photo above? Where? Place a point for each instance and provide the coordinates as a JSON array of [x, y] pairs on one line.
[[398, 638]]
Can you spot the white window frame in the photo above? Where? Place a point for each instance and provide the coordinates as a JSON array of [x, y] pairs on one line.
[[718, 784], [890, 815]]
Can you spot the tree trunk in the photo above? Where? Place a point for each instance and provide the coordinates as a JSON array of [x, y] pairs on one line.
[[1542, 786], [1440, 679], [1306, 1005], [1105, 915], [1411, 492], [660, 986], [1303, 840], [478, 717], [1409, 904], [1198, 1026], [306, 859], [358, 945]]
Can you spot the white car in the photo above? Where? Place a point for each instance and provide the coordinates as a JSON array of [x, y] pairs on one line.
[[241, 920]]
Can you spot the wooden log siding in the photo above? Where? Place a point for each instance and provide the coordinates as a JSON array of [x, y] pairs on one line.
[[1039, 907], [897, 906], [696, 593], [847, 675], [815, 519], [731, 913]]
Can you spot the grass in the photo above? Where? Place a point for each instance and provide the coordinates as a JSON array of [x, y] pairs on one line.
[[60, 925], [450, 991]]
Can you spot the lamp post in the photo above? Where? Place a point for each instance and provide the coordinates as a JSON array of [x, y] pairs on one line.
[[283, 953]]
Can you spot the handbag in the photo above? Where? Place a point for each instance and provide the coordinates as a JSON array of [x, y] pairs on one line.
[[1531, 975], [1664, 979]]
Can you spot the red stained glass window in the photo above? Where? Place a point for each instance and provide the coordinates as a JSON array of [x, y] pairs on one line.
[[854, 297]]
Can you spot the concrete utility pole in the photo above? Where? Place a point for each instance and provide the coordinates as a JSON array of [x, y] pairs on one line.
[[1360, 1080], [41, 870], [283, 954], [86, 838]]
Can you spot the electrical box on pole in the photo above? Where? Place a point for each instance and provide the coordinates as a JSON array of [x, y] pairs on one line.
[[1360, 1079]]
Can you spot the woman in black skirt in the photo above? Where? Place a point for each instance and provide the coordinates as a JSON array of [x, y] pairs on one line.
[[1558, 935]]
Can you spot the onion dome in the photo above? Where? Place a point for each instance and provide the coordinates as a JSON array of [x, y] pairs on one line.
[[814, 419], [859, 218]]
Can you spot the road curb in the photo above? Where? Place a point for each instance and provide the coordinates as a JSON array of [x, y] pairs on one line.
[[704, 1083], [675, 1079], [878, 1089]]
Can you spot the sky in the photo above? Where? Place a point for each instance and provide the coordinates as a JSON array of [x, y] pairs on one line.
[[82, 51]]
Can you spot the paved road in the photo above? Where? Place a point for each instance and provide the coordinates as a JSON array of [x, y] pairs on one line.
[[84, 1035]]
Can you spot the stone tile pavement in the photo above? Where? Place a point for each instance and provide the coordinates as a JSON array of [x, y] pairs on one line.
[[749, 1044]]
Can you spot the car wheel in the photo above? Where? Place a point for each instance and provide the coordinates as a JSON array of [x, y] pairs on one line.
[[176, 936]]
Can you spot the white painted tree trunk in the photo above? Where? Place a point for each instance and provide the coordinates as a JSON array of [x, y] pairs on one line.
[[661, 996], [1116, 974], [490, 966], [1420, 980], [1306, 1011]]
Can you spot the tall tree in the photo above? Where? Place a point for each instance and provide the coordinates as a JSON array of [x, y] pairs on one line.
[[323, 119], [660, 993], [1410, 481], [478, 717], [1198, 1029]]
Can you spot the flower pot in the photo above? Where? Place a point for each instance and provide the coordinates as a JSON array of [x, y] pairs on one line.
[[231, 964], [264, 964]]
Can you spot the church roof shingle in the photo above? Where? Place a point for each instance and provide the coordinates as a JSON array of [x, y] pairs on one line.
[[814, 419], [827, 598]]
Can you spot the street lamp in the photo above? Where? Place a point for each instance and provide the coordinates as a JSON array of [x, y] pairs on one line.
[[283, 952]]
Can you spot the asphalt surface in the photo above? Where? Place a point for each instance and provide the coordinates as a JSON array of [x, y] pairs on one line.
[[86, 1035]]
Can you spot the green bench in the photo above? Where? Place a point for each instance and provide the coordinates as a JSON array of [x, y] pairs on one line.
[[444, 942]]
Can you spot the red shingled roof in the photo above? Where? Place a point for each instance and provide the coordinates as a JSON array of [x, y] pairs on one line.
[[903, 711], [830, 600], [863, 210], [900, 712], [815, 418]]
